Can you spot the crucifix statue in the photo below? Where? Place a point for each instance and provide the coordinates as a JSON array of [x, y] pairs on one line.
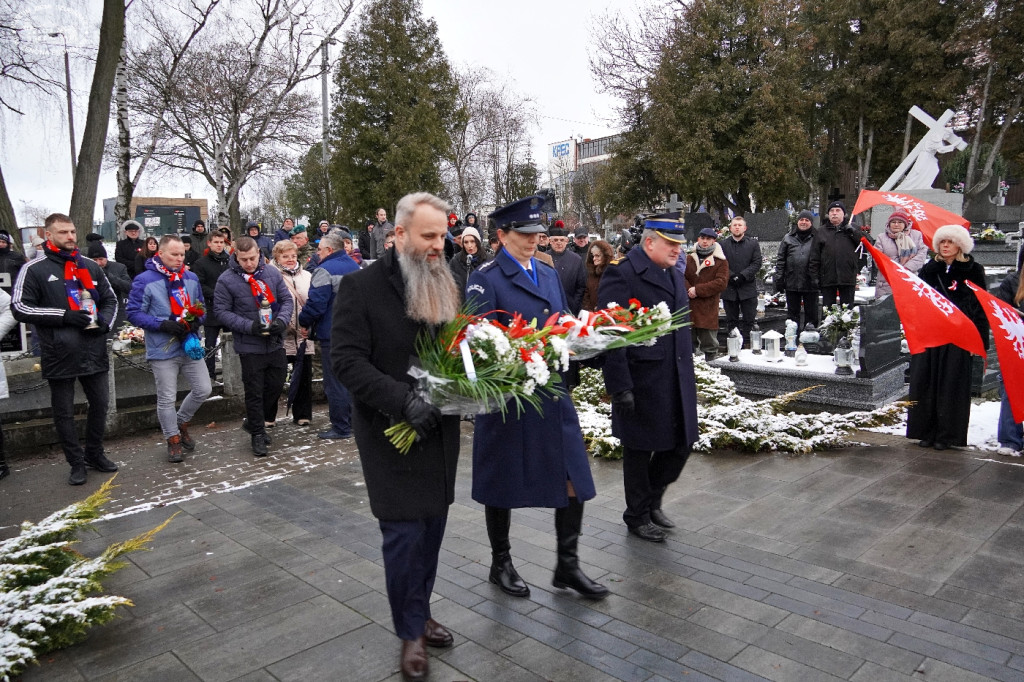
[[921, 162]]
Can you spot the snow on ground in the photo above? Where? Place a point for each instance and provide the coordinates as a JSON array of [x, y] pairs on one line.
[[981, 433]]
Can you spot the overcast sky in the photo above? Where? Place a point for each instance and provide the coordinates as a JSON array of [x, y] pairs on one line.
[[538, 46]]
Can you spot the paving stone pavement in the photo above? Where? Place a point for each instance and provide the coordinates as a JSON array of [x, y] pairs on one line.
[[879, 562]]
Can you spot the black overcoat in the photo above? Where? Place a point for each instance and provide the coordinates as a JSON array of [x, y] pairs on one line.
[[660, 376], [372, 347]]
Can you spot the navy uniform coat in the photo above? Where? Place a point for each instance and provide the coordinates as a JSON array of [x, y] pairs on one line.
[[373, 343], [660, 376], [524, 460]]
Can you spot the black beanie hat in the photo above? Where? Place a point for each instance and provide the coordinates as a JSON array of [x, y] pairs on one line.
[[837, 204], [95, 250]]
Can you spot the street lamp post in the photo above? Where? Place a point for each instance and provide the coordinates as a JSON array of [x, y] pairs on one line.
[[67, 86]]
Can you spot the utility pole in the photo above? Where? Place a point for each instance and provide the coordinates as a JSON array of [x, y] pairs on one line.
[[71, 118]]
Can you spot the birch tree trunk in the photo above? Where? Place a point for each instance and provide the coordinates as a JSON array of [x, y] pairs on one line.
[[125, 187]]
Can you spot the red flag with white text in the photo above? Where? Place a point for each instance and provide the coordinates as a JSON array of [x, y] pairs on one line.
[[1008, 331], [929, 318], [927, 217]]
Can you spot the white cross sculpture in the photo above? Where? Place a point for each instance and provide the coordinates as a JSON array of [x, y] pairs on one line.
[[921, 162]]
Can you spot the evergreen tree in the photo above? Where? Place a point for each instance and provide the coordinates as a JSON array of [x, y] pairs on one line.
[[309, 191], [728, 108], [393, 109]]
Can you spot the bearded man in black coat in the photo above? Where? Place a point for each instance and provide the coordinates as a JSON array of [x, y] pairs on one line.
[[378, 314]]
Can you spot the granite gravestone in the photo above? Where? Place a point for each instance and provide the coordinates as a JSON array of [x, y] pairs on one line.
[[770, 226], [695, 222], [879, 338]]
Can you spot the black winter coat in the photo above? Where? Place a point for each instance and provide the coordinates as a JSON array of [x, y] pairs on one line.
[[744, 257], [660, 376], [11, 262], [1007, 289], [40, 298], [208, 269], [834, 260], [125, 252], [573, 274], [951, 282], [793, 262], [462, 265], [372, 347]]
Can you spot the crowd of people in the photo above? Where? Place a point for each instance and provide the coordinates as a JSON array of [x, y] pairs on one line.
[[360, 303]]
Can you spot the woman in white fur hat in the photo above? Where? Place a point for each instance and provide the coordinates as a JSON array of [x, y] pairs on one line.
[[940, 378]]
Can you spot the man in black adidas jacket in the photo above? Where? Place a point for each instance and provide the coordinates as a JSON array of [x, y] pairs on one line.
[[51, 294]]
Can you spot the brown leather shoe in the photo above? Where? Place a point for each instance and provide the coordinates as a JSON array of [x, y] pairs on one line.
[[437, 635], [414, 660]]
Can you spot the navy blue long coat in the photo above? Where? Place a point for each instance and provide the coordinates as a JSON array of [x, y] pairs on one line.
[[660, 376], [525, 461]]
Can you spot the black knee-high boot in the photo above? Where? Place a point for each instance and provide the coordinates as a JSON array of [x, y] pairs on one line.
[[568, 521], [503, 573]]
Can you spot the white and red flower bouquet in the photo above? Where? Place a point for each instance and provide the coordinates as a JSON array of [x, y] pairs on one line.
[[478, 365]]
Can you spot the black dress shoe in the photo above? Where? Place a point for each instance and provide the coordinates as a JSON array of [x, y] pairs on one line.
[[658, 518], [437, 635], [926, 443], [414, 660], [648, 532], [941, 446]]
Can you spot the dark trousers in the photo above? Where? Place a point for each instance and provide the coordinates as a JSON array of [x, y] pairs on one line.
[[62, 401], [410, 552], [339, 403], [809, 300], [705, 340], [212, 333], [843, 292], [645, 475], [747, 308], [262, 379], [302, 405]]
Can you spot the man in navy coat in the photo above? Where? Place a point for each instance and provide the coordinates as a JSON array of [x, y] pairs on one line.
[[529, 459], [654, 394]]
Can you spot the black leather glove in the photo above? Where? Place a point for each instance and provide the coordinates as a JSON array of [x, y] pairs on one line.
[[421, 415], [258, 329], [77, 318], [277, 327], [738, 279], [174, 328], [624, 401]]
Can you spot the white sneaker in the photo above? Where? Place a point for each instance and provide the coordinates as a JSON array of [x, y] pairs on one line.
[[1007, 452]]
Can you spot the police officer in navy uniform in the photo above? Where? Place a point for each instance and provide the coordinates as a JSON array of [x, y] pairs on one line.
[[528, 459], [654, 395]]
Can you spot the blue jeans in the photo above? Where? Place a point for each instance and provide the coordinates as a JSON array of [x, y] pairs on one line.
[[165, 373], [1009, 433], [339, 403]]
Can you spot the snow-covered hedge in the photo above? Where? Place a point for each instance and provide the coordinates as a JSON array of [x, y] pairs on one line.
[[45, 585], [728, 420]]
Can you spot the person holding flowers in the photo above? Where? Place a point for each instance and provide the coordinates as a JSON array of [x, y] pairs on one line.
[[380, 312], [529, 458], [653, 389], [166, 300]]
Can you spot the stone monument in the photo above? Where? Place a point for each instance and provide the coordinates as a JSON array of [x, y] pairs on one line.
[[919, 170]]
